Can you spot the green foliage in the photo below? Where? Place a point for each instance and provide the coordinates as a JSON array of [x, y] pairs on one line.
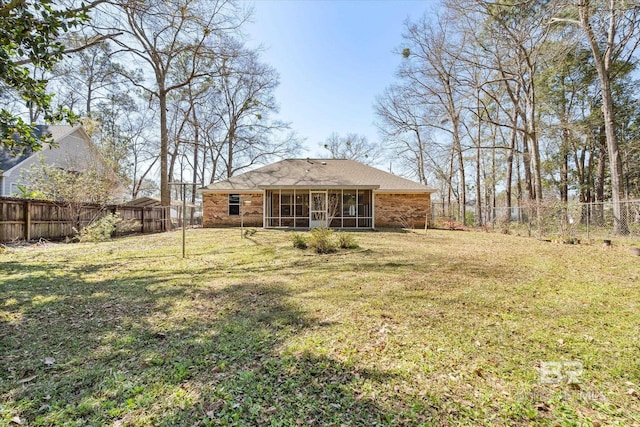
[[322, 240], [469, 217], [299, 241], [347, 241], [26, 193], [30, 33], [99, 230]]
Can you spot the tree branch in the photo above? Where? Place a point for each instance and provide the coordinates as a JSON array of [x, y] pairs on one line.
[[90, 43]]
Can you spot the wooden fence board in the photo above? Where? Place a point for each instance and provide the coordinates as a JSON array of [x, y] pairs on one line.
[[34, 219]]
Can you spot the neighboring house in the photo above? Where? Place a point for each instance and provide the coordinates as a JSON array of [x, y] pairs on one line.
[[74, 152], [307, 193]]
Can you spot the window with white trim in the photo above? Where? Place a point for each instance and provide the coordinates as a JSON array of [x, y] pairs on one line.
[[234, 204]]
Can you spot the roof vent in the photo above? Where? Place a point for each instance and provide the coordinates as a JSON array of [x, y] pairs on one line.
[[324, 163]]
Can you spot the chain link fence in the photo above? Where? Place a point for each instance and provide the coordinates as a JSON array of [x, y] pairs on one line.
[[571, 222]]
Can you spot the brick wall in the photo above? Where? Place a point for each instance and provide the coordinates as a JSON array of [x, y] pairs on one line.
[[215, 210], [391, 210], [402, 210]]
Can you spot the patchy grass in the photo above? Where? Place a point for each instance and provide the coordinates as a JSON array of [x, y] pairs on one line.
[[430, 328]]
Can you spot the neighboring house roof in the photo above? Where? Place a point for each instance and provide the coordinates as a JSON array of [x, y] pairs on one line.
[[8, 158], [151, 202], [318, 174]]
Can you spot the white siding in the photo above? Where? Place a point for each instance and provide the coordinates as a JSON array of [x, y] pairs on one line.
[[73, 153]]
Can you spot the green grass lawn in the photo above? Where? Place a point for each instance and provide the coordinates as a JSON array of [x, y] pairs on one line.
[[434, 328]]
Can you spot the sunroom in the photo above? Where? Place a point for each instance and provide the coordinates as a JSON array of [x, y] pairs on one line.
[[310, 208]]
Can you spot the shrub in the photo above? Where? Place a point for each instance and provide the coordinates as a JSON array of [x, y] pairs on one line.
[[99, 230], [126, 226], [322, 240], [347, 241], [299, 241]]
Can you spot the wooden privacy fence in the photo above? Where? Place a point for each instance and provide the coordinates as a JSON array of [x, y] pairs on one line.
[[34, 219]]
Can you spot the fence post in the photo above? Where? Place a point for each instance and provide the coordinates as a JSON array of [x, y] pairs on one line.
[[142, 220], [27, 220]]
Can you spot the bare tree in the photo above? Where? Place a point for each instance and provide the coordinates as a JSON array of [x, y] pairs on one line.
[[432, 70], [243, 105], [401, 125], [87, 77], [159, 33], [353, 146]]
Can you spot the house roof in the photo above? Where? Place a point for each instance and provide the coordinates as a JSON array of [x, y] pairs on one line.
[[151, 202], [12, 157], [318, 174]]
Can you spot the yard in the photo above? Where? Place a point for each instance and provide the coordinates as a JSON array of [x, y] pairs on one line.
[[418, 328]]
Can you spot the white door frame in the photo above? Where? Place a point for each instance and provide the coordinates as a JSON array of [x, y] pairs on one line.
[[317, 213]]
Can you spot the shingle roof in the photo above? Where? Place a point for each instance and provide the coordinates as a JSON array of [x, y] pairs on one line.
[[319, 174], [152, 202], [8, 158]]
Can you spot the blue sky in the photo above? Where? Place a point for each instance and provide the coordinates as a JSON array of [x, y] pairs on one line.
[[334, 57]]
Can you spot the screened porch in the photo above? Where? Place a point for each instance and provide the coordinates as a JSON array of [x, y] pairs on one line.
[[341, 208]]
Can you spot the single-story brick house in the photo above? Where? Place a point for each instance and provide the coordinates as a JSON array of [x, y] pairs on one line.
[[307, 193]]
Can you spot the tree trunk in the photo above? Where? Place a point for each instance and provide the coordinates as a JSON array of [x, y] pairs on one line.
[[231, 135], [602, 160], [603, 62], [450, 182], [534, 146], [463, 189], [564, 166], [196, 149], [509, 175], [165, 194], [479, 221], [421, 174], [620, 225], [526, 160]]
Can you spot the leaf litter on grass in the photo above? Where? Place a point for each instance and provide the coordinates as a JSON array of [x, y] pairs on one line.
[[411, 329]]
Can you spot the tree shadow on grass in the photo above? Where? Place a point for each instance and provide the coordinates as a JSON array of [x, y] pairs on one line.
[[140, 353]]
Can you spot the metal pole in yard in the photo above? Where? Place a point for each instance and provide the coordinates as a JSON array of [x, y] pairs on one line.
[[184, 213], [184, 222]]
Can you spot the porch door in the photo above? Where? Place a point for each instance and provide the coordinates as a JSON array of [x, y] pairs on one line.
[[318, 209]]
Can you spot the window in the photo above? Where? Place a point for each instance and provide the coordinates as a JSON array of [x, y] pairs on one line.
[[234, 204]]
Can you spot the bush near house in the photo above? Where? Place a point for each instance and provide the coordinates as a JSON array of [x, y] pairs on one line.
[[324, 240], [299, 241]]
